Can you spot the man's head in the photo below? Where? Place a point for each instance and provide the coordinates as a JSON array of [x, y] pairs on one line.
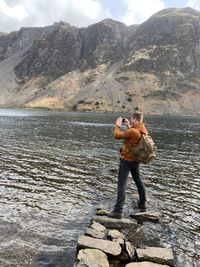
[[137, 117]]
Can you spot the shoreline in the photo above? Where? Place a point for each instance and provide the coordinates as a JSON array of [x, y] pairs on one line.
[[121, 113]]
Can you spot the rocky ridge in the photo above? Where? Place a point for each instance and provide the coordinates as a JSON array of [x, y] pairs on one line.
[[105, 67]]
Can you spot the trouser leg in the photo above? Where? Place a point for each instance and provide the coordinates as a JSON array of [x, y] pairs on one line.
[[139, 183], [122, 182]]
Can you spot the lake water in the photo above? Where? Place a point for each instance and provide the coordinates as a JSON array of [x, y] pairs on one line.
[[57, 167]]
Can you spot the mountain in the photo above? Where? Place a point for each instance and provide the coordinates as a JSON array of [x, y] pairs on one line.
[[154, 66]]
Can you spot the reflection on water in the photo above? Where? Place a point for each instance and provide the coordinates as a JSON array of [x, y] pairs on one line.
[[55, 169]]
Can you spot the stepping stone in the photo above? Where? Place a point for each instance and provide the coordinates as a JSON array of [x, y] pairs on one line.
[[147, 216], [94, 233], [115, 234], [145, 264], [96, 230], [91, 258], [102, 212], [98, 227], [119, 240], [156, 254], [111, 223], [106, 246]]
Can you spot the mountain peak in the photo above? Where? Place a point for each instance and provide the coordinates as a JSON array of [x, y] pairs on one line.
[[186, 11]]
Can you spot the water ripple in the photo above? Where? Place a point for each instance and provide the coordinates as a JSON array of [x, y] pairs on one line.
[[56, 168]]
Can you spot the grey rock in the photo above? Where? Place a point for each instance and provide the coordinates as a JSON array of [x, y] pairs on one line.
[[119, 240], [149, 235], [55, 52], [106, 246], [111, 223], [98, 227], [104, 42], [129, 249], [115, 234], [96, 230], [157, 255], [94, 233], [147, 216], [145, 264], [15, 42], [91, 258]]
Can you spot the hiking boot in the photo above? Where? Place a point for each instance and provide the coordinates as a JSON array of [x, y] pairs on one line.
[[142, 207], [115, 215]]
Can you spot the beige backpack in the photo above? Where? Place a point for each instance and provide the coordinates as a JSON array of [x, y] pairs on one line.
[[145, 151]]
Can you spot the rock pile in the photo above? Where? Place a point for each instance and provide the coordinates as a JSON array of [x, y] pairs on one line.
[[106, 245]]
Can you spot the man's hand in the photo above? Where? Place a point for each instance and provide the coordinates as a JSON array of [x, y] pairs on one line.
[[127, 123], [118, 122]]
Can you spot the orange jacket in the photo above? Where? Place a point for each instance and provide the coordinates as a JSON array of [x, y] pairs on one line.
[[132, 136]]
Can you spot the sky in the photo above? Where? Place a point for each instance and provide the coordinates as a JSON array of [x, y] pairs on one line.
[[15, 14]]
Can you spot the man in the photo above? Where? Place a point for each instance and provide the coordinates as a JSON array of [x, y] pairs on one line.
[[135, 128]]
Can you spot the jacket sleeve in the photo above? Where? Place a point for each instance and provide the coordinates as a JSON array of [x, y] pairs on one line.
[[118, 134]]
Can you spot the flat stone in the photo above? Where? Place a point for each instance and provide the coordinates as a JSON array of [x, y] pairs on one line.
[[91, 258], [96, 230], [156, 254], [147, 216], [98, 227], [102, 212], [111, 223], [115, 234], [106, 246], [145, 264], [94, 233]]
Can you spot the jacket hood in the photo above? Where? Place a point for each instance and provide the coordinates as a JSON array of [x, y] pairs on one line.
[[141, 127]]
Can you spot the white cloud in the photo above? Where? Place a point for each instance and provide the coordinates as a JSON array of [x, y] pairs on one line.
[[22, 13], [93, 10], [18, 11], [194, 4], [140, 10]]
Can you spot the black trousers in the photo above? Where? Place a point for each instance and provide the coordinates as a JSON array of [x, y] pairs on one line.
[[124, 168]]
